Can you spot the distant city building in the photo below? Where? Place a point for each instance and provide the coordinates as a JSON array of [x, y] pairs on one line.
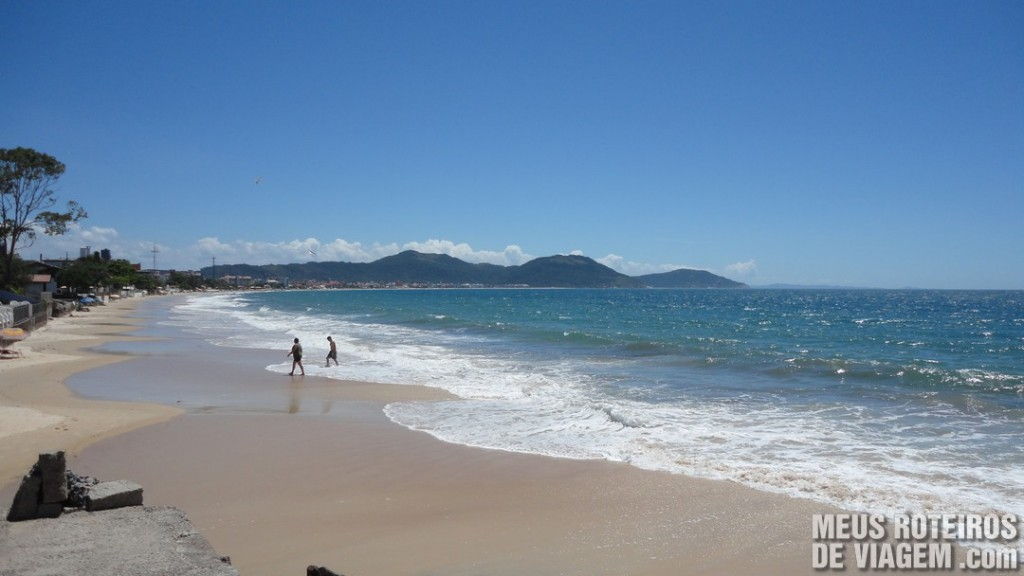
[[105, 254], [237, 280], [85, 251]]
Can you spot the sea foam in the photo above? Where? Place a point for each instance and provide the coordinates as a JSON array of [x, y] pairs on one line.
[[854, 450]]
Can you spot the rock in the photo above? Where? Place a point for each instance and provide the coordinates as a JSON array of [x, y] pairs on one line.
[[77, 487], [320, 571], [116, 494], [26, 501], [53, 469], [49, 509]]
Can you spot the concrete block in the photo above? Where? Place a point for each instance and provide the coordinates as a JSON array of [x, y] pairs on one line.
[[26, 501], [52, 467], [49, 509], [116, 494]]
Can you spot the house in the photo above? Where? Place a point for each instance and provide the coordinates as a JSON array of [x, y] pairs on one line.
[[39, 283], [42, 278]]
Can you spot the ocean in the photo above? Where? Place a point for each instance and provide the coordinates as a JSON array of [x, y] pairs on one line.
[[871, 400]]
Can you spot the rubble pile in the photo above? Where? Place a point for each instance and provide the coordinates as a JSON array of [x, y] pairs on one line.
[[50, 489]]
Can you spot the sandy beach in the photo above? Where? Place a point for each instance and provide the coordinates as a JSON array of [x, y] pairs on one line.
[[38, 413], [310, 471]]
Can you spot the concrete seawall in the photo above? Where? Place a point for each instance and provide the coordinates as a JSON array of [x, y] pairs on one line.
[[132, 541]]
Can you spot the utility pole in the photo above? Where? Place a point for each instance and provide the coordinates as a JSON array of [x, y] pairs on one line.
[[213, 271]]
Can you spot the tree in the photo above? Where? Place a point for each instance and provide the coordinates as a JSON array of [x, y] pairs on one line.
[[84, 273], [120, 273], [18, 276], [26, 197], [184, 281], [146, 282]]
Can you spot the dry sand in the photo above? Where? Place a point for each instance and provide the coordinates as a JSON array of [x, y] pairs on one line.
[[278, 489], [38, 413]]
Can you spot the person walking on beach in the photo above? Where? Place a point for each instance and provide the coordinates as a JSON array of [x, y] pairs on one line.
[[296, 355], [333, 354]]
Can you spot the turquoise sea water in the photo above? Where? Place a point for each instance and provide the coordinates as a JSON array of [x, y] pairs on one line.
[[872, 400]]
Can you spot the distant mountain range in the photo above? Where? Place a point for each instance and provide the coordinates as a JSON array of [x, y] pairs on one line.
[[411, 267]]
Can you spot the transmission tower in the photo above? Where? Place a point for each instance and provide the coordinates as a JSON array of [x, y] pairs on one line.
[[155, 252]]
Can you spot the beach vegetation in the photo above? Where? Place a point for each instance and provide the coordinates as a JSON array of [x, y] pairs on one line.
[[83, 274], [120, 273], [27, 197], [93, 271], [184, 281]]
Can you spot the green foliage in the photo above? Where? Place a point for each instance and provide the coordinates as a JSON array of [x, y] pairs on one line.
[[13, 280], [120, 268], [185, 281], [146, 282], [85, 273], [26, 199], [56, 223]]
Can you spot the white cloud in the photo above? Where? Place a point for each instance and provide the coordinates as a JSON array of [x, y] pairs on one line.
[[200, 253], [630, 268], [345, 251], [742, 268], [512, 254], [98, 235], [68, 244], [340, 249], [577, 253], [213, 246], [299, 250]]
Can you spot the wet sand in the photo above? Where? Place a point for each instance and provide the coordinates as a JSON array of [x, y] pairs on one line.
[[278, 492]]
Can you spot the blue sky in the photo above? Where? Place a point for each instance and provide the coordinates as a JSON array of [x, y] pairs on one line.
[[856, 143]]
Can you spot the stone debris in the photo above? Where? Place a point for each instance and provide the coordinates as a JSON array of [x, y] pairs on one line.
[[77, 488], [26, 501], [320, 571], [116, 494], [49, 488], [42, 491], [52, 466]]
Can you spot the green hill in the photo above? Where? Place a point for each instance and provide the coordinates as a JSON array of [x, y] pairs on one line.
[[569, 272], [687, 278], [416, 267]]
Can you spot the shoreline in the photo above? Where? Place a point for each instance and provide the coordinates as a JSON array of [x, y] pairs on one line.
[[310, 470], [280, 472], [41, 413]]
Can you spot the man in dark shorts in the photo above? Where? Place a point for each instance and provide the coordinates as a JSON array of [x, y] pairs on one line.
[[333, 354], [296, 355]]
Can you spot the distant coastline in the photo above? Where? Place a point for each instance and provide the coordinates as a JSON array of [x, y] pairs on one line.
[[419, 270]]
